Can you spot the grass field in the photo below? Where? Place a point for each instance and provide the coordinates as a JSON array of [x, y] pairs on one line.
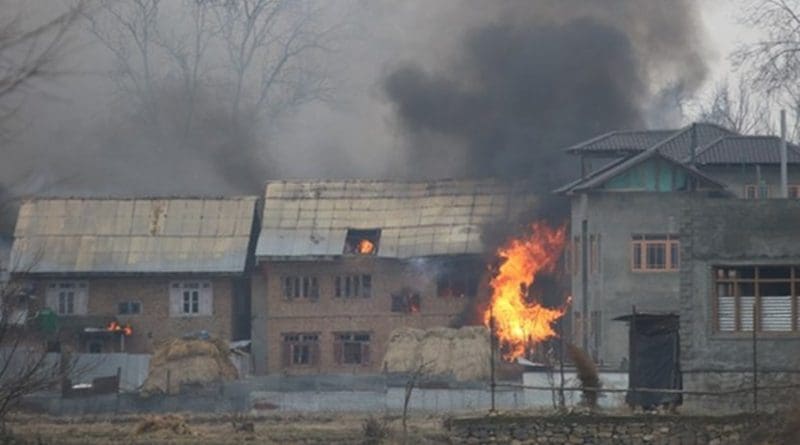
[[220, 429]]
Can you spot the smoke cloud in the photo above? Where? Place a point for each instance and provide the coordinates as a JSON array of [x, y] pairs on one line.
[[537, 76], [452, 88]]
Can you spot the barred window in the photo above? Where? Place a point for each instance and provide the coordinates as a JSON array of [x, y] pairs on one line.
[[300, 287], [766, 296]]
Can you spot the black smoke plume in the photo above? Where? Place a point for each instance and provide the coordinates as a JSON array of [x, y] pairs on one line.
[[542, 75]]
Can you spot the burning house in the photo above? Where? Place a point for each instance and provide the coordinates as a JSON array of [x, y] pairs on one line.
[[341, 264], [626, 244], [122, 274]]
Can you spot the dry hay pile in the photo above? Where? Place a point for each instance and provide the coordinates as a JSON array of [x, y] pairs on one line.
[[171, 422], [180, 362], [461, 353]]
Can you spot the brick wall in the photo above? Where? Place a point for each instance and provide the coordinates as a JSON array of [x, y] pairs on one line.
[[154, 323], [328, 314]]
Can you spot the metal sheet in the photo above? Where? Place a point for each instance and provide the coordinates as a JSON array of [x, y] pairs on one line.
[[310, 218], [133, 236]]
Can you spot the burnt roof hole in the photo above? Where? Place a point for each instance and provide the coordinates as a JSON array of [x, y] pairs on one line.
[[362, 241]]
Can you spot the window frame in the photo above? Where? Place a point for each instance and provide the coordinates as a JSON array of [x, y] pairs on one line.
[[300, 287], [352, 286], [354, 339], [738, 331], [130, 304], [292, 342], [67, 298], [178, 298], [639, 248]]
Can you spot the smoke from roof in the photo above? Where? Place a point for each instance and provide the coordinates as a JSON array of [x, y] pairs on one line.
[[537, 76]]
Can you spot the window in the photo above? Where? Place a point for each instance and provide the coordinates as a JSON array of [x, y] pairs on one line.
[[95, 347], [767, 295], [752, 191], [191, 298], [458, 279], [406, 301], [353, 286], [362, 241], [300, 287], [794, 191], [655, 253], [129, 308], [300, 349], [351, 348], [67, 297]]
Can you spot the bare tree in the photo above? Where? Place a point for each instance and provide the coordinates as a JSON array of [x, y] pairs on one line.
[[266, 42], [737, 109], [772, 64], [30, 52], [128, 29]]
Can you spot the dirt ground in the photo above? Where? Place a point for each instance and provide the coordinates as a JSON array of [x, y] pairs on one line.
[[221, 429]]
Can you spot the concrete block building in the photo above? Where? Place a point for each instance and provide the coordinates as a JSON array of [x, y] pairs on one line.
[[340, 264], [741, 270], [626, 211], [123, 274]]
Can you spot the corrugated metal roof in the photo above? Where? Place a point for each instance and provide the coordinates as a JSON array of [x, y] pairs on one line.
[[132, 235], [747, 150], [308, 219], [679, 146], [622, 142]]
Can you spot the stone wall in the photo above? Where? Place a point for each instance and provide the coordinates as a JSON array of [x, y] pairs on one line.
[[599, 430]]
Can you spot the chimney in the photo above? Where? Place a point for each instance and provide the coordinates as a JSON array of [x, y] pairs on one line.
[[784, 158]]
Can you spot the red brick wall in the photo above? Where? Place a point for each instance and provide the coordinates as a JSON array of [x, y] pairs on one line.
[[154, 323], [328, 314]]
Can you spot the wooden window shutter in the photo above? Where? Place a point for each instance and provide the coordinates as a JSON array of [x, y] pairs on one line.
[[175, 301], [81, 301], [365, 354], [338, 352], [207, 300], [287, 354]]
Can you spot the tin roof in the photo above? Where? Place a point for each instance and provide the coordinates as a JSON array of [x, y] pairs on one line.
[[621, 142], [747, 150], [416, 219], [132, 235]]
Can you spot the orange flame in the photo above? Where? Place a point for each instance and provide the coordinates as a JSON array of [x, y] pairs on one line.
[[518, 323], [114, 326], [366, 247]]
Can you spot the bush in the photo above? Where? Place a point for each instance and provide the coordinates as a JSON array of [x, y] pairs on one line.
[[375, 430]]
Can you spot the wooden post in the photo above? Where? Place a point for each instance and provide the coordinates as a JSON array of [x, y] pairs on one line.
[[492, 345]]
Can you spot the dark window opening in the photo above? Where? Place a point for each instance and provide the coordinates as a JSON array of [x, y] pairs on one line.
[[129, 308], [95, 347], [407, 302], [353, 286], [351, 348], [362, 241], [459, 279]]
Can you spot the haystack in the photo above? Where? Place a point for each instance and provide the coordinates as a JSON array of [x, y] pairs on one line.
[[171, 422], [463, 353], [402, 355], [179, 362]]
